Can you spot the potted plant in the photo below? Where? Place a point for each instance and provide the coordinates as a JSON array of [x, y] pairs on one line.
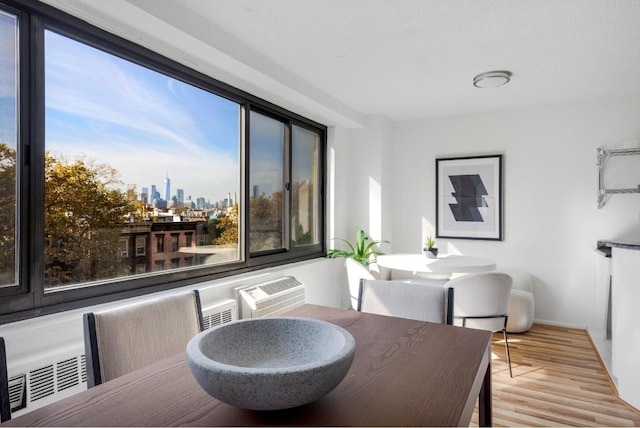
[[363, 250], [430, 250]]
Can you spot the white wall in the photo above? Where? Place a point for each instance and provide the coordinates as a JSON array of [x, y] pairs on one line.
[[551, 222]]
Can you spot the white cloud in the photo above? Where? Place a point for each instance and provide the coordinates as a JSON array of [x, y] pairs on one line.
[[144, 125]]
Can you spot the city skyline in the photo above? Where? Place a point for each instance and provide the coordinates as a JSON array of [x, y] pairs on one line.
[[105, 109], [140, 191]]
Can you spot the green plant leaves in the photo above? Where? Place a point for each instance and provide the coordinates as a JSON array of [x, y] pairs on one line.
[[361, 251]]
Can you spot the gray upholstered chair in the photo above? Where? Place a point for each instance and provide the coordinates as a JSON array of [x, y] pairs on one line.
[[481, 303], [5, 405], [407, 300], [124, 339]]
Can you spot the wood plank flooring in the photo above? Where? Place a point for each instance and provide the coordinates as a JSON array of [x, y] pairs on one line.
[[558, 380]]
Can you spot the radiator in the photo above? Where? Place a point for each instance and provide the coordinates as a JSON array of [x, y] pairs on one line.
[[220, 312], [46, 361], [270, 298]]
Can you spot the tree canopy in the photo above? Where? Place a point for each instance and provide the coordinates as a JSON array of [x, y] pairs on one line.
[[227, 228], [8, 197], [83, 221]]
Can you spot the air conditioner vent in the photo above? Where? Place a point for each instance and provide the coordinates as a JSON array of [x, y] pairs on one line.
[[219, 312], [18, 391], [67, 375], [83, 368], [41, 383]]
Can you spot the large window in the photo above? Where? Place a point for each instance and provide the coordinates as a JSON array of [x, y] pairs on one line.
[[113, 130], [9, 240], [126, 153]]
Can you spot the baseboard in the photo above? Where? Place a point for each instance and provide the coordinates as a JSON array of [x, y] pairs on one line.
[[561, 324]]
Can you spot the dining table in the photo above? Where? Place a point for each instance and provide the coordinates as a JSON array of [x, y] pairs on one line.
[[440, 267], [404, 373]]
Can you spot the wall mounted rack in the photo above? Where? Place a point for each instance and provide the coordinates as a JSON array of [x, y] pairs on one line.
[[603, 155]]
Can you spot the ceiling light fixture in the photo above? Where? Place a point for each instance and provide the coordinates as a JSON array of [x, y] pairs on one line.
[[492, 79]]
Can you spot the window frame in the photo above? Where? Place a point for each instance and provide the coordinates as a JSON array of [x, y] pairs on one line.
[[22, 155], [29, 298]]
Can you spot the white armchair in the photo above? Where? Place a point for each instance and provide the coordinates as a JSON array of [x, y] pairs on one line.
[[481, 301], [521, 303]]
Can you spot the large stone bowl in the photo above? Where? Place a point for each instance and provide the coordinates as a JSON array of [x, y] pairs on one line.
[[271, 363]]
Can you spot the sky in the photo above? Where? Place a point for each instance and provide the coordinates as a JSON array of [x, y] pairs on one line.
[[8, 80], [144, 124]]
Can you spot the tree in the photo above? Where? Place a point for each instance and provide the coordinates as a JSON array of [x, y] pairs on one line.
[[7, 214], [83, 221], [227, 228], [265, 219]]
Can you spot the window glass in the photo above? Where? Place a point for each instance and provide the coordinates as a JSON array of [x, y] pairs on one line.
[[267, 139], [130, 149], [8, 145], [141, 245], [124, 247], [159, 243], [305, 186]]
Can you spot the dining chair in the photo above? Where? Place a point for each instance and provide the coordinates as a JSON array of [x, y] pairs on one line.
[[355, 272], [407, 300], [123, 339], [5, 405], [481, 303]]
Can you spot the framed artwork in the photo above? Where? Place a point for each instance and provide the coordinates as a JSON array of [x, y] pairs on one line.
[[469, 197]]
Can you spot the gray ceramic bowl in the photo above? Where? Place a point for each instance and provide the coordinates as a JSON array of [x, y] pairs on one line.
[[271, 363]]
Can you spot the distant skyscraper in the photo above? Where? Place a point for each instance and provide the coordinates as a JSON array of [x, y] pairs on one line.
[[180, 196], [167, 189], [144, 195], [152, 195]]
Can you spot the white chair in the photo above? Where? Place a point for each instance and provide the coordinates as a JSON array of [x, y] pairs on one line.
[[5, 405], [406, 300], [481, 302], [521, 304], [355, 272], [124, 339]]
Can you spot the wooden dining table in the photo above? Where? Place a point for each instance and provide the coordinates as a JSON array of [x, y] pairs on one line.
[[405, 372]]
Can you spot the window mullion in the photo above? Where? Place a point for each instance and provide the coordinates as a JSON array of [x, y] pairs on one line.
[[286, 209]]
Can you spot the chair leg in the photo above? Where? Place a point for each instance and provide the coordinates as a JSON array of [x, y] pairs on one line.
[[506, 344]]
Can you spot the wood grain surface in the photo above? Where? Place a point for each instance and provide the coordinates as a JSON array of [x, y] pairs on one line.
[[405, 372], [558, 380]]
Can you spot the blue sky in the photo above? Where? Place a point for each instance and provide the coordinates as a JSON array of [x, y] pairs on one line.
[[140, 122], [8, 80]]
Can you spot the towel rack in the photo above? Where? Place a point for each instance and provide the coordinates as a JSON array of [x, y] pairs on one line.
[[603, 155]]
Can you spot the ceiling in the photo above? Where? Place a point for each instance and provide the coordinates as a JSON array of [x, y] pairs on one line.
[[342, 60]]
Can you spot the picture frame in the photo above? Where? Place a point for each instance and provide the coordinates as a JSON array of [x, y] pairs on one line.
[[469, 197]]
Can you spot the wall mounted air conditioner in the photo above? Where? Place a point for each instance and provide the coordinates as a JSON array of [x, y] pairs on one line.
[[270, 298]]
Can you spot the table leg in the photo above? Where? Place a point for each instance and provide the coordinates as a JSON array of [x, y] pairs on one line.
[[484, 399]]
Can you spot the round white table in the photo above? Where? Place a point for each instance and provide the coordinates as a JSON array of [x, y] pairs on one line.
[[441, 267]]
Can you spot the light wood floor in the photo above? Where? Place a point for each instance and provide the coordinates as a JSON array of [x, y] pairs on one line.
[[558, 380]]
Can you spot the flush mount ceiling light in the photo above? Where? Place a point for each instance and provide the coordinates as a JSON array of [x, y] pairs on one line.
[[492, 79]]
